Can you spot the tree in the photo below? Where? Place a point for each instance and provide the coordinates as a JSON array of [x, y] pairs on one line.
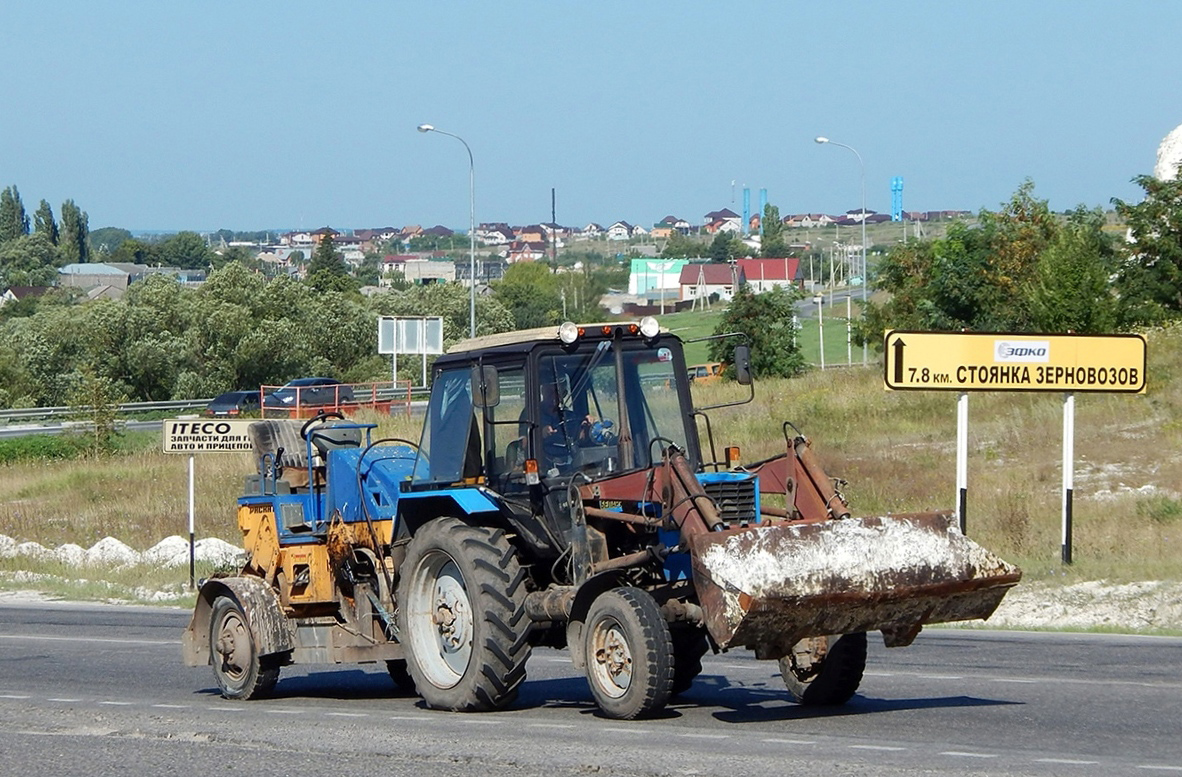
[[1150, 276], [726, 247], [1071, 291], [327, 270], [680, 246], [106, 240], [772, 243], [14, 222], [74, 239], [43, 222], [766, 319], [29, 260], [184, 249], [531, 293]]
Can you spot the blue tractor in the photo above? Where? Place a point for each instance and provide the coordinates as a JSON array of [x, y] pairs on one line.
[[566, 492]]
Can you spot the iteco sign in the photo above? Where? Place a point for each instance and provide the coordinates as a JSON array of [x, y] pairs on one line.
[[184, 435], [991, 361]]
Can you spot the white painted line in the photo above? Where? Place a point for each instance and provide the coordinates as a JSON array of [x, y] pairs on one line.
[[960, 754], [476, 722], [410, 717], [704, 736], [549, 725], [88, 640], [1160, 768], [12, 696], [1013, 680], [878, 674], [876, 747], [788, 741], [618, 730], [741, 667], [940, 676], [229, 709], [172, 706], [347, 714], [117, 703], [64, 700], [1066, 761], [286, 712]]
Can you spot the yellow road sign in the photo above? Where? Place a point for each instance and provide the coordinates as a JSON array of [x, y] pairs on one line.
[[187, 435], [991, 361]]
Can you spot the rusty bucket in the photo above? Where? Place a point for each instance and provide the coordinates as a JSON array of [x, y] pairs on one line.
[[767, 587]]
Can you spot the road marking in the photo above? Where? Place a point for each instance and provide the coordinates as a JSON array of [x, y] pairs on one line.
[[172, 706], [476, 722], [788, 741], [620, 730], [88, 640], [410, 717], [940, 677], [878, 674], [286, 712], [1018, 680], [1160, 768], [64, 700], [1067, 761], [11, 696], [961, 754], [549, 725], [705, 736], [229, 709], [347, 714], [117, 703], [876, 747]]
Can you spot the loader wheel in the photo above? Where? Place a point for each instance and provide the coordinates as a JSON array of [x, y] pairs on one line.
[[689, 645], [629, 654], [462, 616], [240, 671], [825, 671]]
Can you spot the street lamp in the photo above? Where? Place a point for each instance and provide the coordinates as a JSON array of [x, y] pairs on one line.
[[862, 165], [471, 226]]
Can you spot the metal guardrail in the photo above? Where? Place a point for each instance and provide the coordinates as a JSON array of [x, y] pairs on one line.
[[131, 408]]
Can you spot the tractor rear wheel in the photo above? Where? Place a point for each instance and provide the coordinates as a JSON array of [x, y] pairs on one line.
[[461, 613], [825, 671], [629, 654], [240, 671]]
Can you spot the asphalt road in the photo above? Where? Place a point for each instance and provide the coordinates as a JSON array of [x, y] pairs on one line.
[[93, 690]]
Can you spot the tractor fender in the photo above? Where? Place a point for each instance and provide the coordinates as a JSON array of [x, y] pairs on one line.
[[417, 508], [271, 629], [588, 592]]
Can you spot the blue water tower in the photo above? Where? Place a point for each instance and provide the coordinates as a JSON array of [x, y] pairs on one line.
[[897, 198]]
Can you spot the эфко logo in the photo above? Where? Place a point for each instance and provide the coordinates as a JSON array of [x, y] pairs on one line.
[[1026, 351]]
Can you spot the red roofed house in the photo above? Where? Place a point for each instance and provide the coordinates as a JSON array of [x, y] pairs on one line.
[[700, 281], [765, 274]]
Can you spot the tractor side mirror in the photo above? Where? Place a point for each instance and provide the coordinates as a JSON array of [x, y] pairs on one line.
[[486, 386], [743, 364]]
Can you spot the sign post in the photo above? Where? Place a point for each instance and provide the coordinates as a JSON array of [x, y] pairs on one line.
[[410, 335], [193, 436], [999, 361]]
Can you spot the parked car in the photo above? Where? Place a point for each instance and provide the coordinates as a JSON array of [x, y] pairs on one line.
[[310, 392], [705, 373], [233, 403]]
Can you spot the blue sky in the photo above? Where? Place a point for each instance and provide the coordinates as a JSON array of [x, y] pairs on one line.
[[258, 115]]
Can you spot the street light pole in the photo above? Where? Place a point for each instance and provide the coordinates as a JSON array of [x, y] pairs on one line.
[[471, 226], [865, 280]]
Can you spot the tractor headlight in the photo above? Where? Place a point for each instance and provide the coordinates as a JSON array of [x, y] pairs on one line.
[[649, 327], [568, 332]]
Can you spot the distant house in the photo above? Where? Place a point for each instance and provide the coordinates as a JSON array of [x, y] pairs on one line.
[[325, 232], [438, 231], [89, 275], [654, 275], [700, 281], [808, 220], [17, 293], [765, 274], [669, 225], [725, 220], [621, 230], [526, 251], [592, 230]]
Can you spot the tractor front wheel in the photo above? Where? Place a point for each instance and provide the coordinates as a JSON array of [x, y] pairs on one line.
[[629, 654], [825, 671], [461, 611], [240, 671]]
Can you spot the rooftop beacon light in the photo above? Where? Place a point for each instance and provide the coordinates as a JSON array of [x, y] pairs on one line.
[[649, 326], [568, 332]]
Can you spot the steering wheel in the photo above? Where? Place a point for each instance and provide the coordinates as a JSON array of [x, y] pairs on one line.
[[320, 417], [601, 432]]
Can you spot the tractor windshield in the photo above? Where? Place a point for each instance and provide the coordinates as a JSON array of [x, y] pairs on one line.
[[449, 450], [601, 410]]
